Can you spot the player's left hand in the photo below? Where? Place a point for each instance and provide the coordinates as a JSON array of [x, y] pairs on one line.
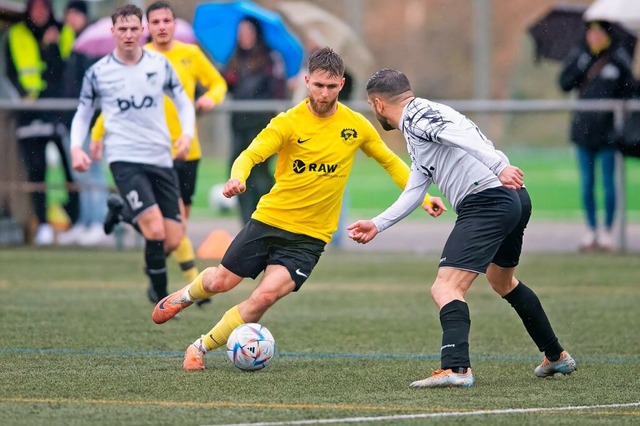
[[80, 161], [435, 207], [362, 231], [182, 145], [205, 103], [512, 177]]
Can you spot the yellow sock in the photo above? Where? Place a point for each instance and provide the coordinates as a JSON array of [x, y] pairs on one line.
[[219, 334], [196, 289], [186, 258]]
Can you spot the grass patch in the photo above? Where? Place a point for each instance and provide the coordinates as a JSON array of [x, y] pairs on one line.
[[78, 346]]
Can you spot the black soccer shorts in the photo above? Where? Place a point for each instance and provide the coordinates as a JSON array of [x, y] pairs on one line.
[[258, 245], [145, 185], [489, 229]]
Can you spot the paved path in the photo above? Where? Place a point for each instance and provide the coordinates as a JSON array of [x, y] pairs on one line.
[[429, 235]]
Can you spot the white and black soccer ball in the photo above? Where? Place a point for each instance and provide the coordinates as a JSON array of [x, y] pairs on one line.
[[219, 202], [251, 347]]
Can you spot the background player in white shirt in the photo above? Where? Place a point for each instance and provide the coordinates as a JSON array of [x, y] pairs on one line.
[[493, 209], [129, 85]]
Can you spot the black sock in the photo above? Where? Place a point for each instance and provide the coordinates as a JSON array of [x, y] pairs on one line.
[[455, 322], [156, 266], [535, 320]]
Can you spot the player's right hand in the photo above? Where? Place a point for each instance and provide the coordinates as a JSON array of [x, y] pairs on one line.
[[362, 231], [80, 161], [233, 187]]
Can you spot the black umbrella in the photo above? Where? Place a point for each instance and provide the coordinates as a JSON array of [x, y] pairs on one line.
[[562, 29]]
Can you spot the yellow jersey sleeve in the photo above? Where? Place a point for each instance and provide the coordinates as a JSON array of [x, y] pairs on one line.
[[209, 77], [98, 130]]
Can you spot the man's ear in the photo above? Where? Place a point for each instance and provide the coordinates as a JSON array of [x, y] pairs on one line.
[[379, 104]]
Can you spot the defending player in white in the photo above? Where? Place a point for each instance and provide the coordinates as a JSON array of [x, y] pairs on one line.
[[493, 209]]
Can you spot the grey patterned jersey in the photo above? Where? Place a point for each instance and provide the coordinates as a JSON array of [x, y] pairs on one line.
[[132, 102], [446, 149]]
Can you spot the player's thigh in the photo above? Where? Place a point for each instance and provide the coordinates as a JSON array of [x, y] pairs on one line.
[[151, 223], [275, 284], [451, 284], [174, 232]]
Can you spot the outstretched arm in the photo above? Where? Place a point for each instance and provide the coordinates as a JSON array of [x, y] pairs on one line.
[[362, 231]]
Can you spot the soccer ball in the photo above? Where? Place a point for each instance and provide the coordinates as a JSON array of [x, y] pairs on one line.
[[251, 347], [219, 202]]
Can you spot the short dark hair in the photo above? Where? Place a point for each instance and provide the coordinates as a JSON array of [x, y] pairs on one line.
[[325, 59], [159, 5], [78, 5], [388, 82], [126, 11]]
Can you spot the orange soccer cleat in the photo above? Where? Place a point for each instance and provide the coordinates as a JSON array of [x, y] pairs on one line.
[[170, 306]]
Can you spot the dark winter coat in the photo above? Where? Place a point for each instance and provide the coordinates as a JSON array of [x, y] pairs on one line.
[[607, 75]]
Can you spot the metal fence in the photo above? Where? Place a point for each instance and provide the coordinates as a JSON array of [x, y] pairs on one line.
[[9, 184]]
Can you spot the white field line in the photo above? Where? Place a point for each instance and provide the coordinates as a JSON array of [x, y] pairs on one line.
[[441, 414]]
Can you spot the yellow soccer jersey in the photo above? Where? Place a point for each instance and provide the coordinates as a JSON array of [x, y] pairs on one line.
[[315, 157], [192, 67]]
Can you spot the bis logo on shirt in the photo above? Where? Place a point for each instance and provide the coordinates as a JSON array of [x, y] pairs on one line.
[[126, 104], [299, 166]]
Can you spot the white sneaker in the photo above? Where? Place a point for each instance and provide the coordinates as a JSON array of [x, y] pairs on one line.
[[44, 235], [606, 241], [588, 242], [71, 236], [93, 235]]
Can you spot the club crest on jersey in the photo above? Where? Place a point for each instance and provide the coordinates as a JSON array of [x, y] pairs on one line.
[[349, 136], [300, 166], [152, 77]]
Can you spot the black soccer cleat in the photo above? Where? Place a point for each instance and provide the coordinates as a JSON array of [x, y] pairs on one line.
[[114, 215], [151, 294]]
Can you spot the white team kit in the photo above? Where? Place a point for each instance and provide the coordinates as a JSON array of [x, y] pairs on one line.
[[132, 102], [446, 149]]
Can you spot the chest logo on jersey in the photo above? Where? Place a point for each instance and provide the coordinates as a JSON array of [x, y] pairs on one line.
[[300, 166], [349, 136], [126, 104]]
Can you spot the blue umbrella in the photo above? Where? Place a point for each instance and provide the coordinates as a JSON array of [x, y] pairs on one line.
[[216, 24]]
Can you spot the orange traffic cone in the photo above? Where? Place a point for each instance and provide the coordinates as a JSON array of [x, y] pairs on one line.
[[215, 245]]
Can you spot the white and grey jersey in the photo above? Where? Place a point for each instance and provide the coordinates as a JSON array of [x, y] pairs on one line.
[[446, 149], [132, 102]]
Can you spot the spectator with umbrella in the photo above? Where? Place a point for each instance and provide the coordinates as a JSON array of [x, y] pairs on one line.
[[255, 71], [597, 69]]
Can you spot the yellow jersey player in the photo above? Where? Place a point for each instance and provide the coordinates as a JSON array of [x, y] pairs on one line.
[[316, 143], [193, 68]]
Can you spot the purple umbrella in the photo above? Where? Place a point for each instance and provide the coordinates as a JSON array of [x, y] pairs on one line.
[[97, 41]]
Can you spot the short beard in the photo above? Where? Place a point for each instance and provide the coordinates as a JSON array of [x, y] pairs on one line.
[[385, 124], [321, 109]]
